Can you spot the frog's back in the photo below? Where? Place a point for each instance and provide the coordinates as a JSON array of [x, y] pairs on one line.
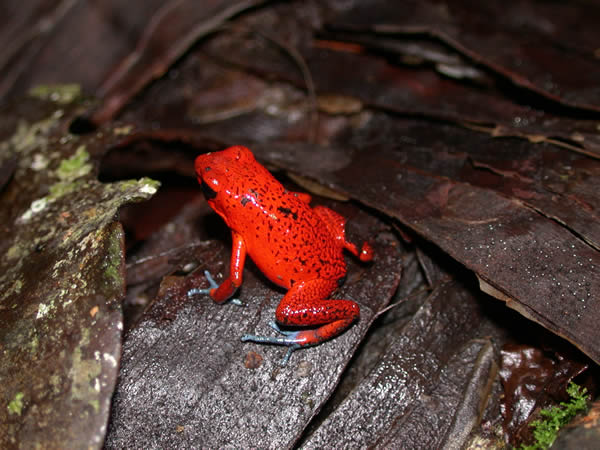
[[289, 242]]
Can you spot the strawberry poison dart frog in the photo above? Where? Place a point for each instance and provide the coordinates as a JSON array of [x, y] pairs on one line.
[[295, 246]]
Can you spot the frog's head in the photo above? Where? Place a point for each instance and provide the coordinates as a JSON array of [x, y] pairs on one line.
[[222, 174]]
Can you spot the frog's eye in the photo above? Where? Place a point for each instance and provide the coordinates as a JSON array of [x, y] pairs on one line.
[[209, 192]]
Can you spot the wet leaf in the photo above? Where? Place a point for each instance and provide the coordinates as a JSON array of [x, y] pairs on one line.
[[379, 83], [171, 30], [544, 271], [525, 43], [139, 44], [521, 213], [185, 357], [533, 379], [62, 281], [26, 29], [558, 184], [425, 380]]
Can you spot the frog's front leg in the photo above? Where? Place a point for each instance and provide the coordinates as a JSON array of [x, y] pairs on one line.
[[236, 268], [305, 304]]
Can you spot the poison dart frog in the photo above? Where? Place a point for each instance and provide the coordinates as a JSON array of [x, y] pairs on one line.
[[295, 246]]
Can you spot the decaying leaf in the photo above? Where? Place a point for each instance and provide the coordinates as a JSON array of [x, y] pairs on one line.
[[61, 283]]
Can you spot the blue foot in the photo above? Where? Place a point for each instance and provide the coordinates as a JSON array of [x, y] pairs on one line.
[[197, 291], [288, 340], [213, 285]]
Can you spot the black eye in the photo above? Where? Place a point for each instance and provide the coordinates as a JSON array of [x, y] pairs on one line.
[[209, 192]]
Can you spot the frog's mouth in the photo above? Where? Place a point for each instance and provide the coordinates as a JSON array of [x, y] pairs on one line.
[[209, 192]]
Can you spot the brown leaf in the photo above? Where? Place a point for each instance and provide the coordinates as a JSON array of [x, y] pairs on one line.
[[525, 43], [172, 29], [549, 273], [185, 357], [425, 381]]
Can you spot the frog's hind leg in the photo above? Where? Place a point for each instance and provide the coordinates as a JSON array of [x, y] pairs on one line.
[[302, 196], [305, 305], [337, 225]]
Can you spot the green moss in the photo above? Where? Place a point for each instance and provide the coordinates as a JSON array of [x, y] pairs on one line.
[[554, 418], [127, 184], [31, 138], [76, 166], [84, 373], [68, 171], [61, 188], [16, 404], [145, 185], [58, 93], [113, 262], [112, 273]]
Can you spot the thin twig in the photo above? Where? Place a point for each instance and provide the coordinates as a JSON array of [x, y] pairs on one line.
[[406, 298]]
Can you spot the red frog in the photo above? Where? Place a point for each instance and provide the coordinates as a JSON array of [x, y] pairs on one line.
[[297, 247]]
